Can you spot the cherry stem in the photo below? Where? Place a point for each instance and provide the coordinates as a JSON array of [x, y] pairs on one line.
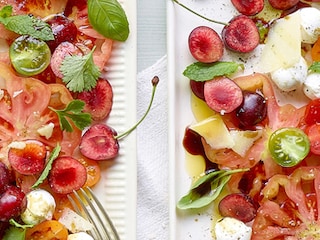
[[199, 15], [155, 81]]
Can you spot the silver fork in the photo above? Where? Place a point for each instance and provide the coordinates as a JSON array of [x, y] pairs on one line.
[[86, 204]]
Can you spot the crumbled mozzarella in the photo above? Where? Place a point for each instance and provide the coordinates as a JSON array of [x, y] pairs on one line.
[[311, 86], [230, 229], [46, 130], [74, 222], [17, 145], [17, 93], [40, 207], [289, 79], [80, 236], [310, 24]]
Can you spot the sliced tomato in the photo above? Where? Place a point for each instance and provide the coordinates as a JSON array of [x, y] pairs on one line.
[[24, 109], [313, 133], [289, 206], [312, 113], [49, 230]]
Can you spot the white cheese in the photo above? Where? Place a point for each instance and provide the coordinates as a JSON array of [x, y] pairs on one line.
[[291, 78], [74, 222], [310, 24], [311, 86], [231, 229], [46, 130], [80, 236], [283, 45], [17, 145], [40, 207]]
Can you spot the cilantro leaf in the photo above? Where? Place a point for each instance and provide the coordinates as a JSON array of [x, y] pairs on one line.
[[74, 113], [315, 67], [79, 72], [206, 71], [25, 24], [54, 154]]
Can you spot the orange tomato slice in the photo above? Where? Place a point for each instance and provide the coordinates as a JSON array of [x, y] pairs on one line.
[[47, 230]]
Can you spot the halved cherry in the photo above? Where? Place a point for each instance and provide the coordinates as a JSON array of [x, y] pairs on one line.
[[248, 7], [100, 141], [98, 100], [67, 174], [241, 34], [239, 206], [27, 157]]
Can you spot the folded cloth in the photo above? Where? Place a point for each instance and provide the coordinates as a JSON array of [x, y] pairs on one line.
[[152, 163]]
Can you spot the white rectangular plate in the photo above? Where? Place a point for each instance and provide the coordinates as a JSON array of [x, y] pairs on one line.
[[117, 188], [188, 224]]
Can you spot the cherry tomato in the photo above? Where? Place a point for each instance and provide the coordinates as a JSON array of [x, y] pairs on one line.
[[288, 146], [29, 56], [313, 133], [48, 230], [315, 51], [312, 114]]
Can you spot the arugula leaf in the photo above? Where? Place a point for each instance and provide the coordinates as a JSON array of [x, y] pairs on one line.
[[73, 112], [315, 67], [109, 19], [206, 71], [206, 189], [54, 154], [79, 72], [25, 24]]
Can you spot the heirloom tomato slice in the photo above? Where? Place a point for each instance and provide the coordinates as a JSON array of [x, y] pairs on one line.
[[289, 207], [24, 110]]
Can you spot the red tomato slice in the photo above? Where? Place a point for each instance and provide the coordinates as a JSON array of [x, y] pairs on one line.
[[24, 109], [312, 114], [289, 206], [313, 133]]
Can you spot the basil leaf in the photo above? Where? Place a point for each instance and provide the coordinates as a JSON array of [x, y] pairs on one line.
[[206, 71], [206, 189], [196, 200], [315, 67], [109, 19]]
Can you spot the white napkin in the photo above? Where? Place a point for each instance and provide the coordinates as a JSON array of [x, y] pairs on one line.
[[152, 206]]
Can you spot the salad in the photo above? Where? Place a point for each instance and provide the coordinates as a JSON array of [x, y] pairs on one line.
[[54, 103], [255, 131]]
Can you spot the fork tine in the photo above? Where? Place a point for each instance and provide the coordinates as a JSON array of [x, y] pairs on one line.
[[93, 210], [84, 213]]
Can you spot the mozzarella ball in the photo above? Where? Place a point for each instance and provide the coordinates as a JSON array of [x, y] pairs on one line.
[[311, 86], [230, 229], [310, 24], [40, 207], [289, 79]]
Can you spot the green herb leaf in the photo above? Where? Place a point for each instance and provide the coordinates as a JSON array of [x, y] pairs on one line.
[[206, 71], [14, 233], [79, 72], [54, 154], [206, 189], [73, 112], [25, 24], [315, 67], [109, 19]]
